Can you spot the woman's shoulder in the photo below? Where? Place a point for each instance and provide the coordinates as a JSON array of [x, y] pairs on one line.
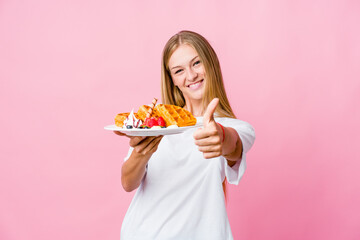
[[228, 120], [235, 123]]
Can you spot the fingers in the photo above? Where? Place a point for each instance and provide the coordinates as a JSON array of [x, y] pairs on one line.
[[202, 133], [145, 145], [209, 112], [120, 134], [156, 144], [209, 140], [208, 149], [211, 155], [135, 141], [151, 147]]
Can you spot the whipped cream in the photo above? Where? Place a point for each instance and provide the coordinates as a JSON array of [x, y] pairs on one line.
[[132, 121], [172, 126]]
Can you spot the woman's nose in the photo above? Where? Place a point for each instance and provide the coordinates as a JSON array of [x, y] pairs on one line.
[[191, 75]]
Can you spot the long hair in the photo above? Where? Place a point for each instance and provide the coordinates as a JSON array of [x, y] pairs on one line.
[[214, 86]]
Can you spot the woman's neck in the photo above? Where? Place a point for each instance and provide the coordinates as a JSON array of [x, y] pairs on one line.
[[196, 108]]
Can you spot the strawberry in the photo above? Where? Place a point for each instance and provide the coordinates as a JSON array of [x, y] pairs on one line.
[[152, 122], [161, 122]]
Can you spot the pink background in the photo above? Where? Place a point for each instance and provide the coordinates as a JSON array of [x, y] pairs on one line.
[[291, 69]]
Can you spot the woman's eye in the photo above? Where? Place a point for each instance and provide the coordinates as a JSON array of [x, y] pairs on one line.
[[197, 62], [176, 72]]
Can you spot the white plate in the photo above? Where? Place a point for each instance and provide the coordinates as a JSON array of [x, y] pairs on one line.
[[150, 132]]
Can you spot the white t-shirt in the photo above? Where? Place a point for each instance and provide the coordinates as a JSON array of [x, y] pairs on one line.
[[181, 196]]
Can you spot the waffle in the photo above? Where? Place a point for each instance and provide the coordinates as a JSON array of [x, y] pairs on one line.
[[141, 113], [175, 115], [120, 118]]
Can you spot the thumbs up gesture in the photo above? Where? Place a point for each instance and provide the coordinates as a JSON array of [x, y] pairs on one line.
[[209, 138]]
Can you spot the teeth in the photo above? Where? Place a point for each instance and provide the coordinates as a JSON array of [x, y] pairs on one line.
[[194, 84]]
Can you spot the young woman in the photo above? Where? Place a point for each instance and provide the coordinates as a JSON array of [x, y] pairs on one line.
[[180, 179]]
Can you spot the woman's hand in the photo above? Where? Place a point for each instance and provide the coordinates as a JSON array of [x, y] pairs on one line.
[[145, 145], [142, 145], [209, 139]]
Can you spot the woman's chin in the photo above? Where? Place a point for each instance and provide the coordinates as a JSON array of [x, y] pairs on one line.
[[195, 97]]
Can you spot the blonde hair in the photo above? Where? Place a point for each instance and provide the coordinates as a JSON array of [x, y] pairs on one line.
[[214, 86]]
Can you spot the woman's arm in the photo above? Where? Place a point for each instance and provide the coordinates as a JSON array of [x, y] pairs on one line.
[[232, 146], [133, 169]]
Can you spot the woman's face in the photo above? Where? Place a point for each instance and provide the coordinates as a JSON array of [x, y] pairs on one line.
[[188, 72]]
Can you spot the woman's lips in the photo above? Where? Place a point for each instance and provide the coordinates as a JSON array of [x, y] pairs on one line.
[[195, 85]]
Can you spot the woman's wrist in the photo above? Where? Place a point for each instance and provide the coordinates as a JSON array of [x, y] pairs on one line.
[[141, 158], [230, 143], [223, 133]]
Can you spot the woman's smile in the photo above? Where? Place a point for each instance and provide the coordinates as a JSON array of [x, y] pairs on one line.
[[195, 85]]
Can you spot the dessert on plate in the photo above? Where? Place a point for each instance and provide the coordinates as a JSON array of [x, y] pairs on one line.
[[155, 117]]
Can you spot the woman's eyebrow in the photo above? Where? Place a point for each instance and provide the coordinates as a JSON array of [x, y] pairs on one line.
[[180, 66]]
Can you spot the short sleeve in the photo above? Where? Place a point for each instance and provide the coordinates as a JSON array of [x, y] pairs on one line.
[[129, 153], [247, 136]]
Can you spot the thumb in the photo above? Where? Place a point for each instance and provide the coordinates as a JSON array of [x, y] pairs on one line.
[[209, 112]]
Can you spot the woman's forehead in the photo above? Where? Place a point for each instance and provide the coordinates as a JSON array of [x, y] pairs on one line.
[[184, 54]]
